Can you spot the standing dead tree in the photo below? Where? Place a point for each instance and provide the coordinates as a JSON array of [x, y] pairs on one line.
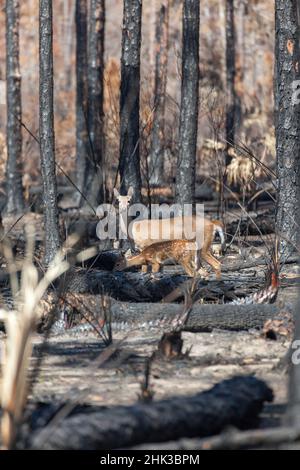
[[130, 98], [82, 142], [287, 121], [231, 98], [15, 201], [293, 410], [188, 128], [94, 168], [46, 131], [160, 85]]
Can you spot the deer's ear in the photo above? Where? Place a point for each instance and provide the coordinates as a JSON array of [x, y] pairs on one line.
[[116, 193], [130, 191]]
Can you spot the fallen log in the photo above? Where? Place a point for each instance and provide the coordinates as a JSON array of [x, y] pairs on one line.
[[128, 316], [234, 402], [127, 286], [233, 440], [253, 264], [139, 287], [203, 318]]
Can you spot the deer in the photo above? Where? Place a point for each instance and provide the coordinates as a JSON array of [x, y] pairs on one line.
[[144, 233], [123, 202], [184, 252], [148, 232]]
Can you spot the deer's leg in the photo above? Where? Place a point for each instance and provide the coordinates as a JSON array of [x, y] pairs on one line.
[[155, 267], [202, 272], [144, 268], [188, 268], [213, 262], [188, 264]]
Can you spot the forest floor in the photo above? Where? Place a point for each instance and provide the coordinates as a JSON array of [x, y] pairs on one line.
[[70, 368]]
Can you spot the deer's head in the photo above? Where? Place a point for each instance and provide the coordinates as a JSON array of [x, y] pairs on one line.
[[123, 200]]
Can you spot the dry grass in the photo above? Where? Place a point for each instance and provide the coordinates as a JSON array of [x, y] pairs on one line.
[[242, 171], [20, 325]]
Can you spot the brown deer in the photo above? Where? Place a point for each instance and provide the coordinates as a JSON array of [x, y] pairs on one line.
[[184, 252], [148, 231], [152, 231]]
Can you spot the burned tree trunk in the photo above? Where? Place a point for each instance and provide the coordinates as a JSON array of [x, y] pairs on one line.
[[233, 402], [82, 141], [130, 98], [161, 68], [15, 201], [287, 121], [293, 410], [230, 78], [46, 131], [185, 176], [94, 170]]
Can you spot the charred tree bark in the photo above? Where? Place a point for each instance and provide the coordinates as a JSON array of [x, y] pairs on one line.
[[94, 168], [46, 131], [231, 97], [293, 410], [287, 121], [130, 98], [15, 201], [82, 141], [203, 318], [185, 176], [234, 402], [160, 85]]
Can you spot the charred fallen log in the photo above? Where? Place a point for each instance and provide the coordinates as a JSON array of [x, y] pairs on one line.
[[139, 287], [127, 316], [271, 438], [127, 286], [234, 402], [202, 318]]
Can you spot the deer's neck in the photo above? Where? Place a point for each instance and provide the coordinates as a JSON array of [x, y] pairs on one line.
[[123, 217]]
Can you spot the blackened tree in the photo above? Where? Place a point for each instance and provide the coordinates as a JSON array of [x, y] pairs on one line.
[[231, 98], [188, 128], [161, 69], [82, 141], [15, 200], [287, 121], [130, 98], [94, 168], [46, 130], [293, 409]]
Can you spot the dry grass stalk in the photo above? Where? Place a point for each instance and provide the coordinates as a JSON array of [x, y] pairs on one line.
[[20, 325], [242, 171]]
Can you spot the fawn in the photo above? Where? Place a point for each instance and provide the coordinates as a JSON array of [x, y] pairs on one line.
[[183, 252]]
